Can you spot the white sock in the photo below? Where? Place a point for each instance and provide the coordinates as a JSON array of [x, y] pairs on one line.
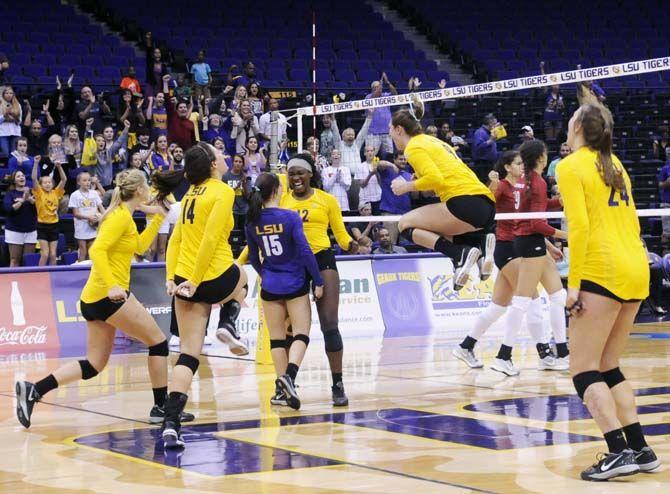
[[486, 319], [557, 315], [515, 313], [535, 321]]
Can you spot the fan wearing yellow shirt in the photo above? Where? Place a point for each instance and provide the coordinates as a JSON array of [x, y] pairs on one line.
[[608, 278], [462, 225], [106, 303], [47, 199], [320, 211], [200, 271]]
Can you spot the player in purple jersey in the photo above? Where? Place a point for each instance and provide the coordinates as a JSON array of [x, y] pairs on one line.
[[287, 267]]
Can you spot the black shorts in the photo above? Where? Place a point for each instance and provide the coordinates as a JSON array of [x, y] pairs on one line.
[[530, 246], [478, 211], [216, 290], [504, 253], [326, 260], [101, 310], [47, 231], [591, 287], [274, 297]]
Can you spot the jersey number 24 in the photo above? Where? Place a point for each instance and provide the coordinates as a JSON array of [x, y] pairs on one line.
[[623, 195]]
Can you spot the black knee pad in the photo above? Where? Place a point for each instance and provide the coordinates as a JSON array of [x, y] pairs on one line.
[[289, 339], [87, 370], [277, 344], [302, 337], [585, 379], [407, 234], [613, 377], [333, 340], [160, 349], [188, 361]]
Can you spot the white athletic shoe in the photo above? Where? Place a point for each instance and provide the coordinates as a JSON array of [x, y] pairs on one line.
[[174, 341], [546, 363], [462, 273], [562, 363], [487, 262], [505, 366], [467, 356], [208, 340]]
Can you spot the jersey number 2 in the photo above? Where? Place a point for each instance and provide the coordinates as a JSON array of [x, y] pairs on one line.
[[188, 212], [623, 194], [272, 245]]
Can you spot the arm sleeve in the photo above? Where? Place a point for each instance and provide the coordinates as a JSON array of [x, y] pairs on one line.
[[305, 252], [108, 234], [337, 138], [216, 222], [574, 201], [363, 133], [554, 204], [425, 168], [252, 250], [149, 234], [346, 180], [172, 253], [337, 224], [481, 142]]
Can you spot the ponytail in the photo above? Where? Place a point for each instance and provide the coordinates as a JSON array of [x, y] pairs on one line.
[[530, 152], [166, 182], [113, 204], [267, 185], [410, 119], [128, 182]]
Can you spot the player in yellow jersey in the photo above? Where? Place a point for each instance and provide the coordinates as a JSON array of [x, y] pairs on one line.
[[320, 211], [106, 303], [608, 278], [200, 271], [462, 224]]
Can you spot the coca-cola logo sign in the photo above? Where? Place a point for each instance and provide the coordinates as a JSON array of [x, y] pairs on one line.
[[29, 335]]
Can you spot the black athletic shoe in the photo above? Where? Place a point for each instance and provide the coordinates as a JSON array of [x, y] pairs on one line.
[[646, 459], [157, 415], [279, 398], [172, 435], [228, 334], [339, 396], [26, 397], [285, 383], [612, 465]]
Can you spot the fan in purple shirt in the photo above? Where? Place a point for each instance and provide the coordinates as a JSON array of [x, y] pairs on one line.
[[286, 268]]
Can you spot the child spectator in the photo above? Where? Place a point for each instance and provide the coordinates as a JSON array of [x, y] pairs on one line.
[[21, 223], [368, 180], [201, 73], [87, 210], [47, 200]]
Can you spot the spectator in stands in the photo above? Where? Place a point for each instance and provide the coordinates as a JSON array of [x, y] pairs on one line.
[[130, 82], [484, 148], [91, 107], [248, 75], [20, 160], [363, 231], [21, 222], [254, 161], [553, 114], [72, 145], [245, 125], [156, 69], [350, 144], [180, 127], [239, 96], [664, 187], [265, 123], [55, 155], [431, 130], [120, 154], [442, 134], [337, 180], [202, 77], [10, 120], [159, 157], [35, 132], [104, 168], [130, 108], [551, 170], [178, 157], [47, 200], [139, 162], [392, 204], [386, 246], [87, 210], [313, 147], [329, 134], [4, 65], [241, 184], [367, 179], [62, 104], [214, 127], [157, 115], [142, 147], [527, 134], [254, 96], [660, 145], [378, 135], [180, 88]]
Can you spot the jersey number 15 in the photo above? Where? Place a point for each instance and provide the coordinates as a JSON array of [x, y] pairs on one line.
[[272, 246]]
